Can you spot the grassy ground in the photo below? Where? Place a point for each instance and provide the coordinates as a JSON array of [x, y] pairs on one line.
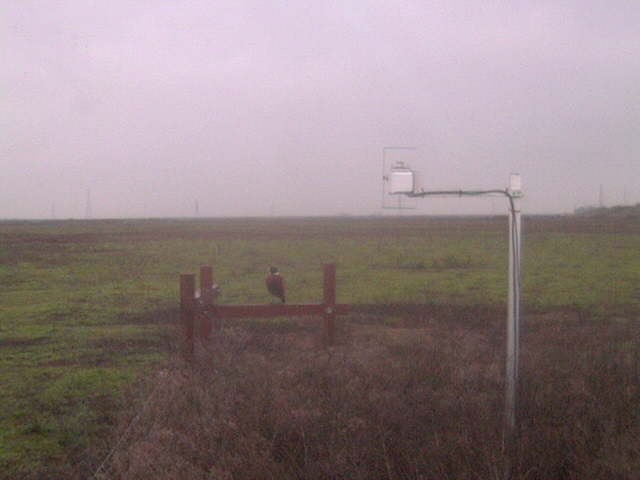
[[83, 301], [417, 397]]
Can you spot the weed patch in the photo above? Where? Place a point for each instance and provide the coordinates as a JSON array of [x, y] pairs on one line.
[[408, 403]]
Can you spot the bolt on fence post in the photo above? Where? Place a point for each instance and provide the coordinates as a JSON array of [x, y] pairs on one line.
[[187, 310], [206, 294], [330, 301]]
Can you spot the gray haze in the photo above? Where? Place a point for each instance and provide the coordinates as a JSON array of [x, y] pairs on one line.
[[272, 107]]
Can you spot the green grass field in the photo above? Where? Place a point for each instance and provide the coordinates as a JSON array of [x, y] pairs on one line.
[[83, 302]]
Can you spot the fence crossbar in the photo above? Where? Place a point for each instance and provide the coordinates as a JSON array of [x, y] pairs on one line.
[[276, 310]]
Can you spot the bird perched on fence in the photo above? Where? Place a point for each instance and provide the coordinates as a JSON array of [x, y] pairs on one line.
[[275, 283]]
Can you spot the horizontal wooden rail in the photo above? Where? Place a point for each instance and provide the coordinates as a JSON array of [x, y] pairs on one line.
[[275, 310]]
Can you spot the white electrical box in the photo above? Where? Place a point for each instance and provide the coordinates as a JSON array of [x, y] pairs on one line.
[[515, 184], [402, 179]]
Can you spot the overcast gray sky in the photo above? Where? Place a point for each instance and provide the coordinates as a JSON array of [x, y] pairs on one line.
[[271, 107]]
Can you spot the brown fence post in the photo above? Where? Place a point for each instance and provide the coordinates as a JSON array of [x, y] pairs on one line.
[[330, 301], [187, 309], [206, 294]]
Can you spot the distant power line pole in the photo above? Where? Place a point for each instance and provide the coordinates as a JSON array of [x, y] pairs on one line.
[[601, 197], [53, 210], [197, 208], [87, 209]]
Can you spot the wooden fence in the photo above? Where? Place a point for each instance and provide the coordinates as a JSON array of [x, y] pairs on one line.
[[198, 314]]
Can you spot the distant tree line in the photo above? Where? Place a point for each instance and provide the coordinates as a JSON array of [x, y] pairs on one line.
[[615, 211]]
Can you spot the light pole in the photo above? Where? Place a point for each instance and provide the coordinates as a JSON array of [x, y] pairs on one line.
[[402, 182], [513, 325]]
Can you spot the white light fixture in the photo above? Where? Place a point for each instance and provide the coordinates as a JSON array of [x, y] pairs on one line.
[[402, 179], [515, 185]]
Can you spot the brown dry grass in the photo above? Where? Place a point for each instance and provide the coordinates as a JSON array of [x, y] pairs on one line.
[[417, 399]]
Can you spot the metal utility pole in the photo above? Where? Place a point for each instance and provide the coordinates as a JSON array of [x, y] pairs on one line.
[[402, 182], [513, 333], [197, 208]]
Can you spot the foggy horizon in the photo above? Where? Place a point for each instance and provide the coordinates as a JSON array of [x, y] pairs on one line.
[[283, 109]]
